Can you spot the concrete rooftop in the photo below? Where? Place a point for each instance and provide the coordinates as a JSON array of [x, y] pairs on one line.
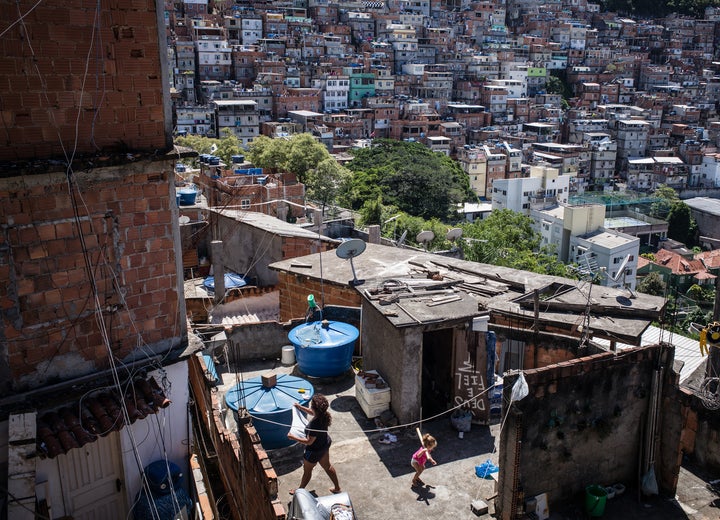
[[377, 476]]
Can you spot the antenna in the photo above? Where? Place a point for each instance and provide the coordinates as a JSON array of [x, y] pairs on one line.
[[621, 270], [349, 249], [425, 237]]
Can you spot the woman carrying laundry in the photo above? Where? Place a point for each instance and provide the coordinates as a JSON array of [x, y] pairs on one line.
[[317, 441], [421, 456]]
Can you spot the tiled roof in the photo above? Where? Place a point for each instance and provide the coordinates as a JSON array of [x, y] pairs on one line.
[[678, 264], [80, 423]]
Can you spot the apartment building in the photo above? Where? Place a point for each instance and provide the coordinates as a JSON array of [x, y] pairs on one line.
[[557, 224], [632, 138], [239, 116], [603, 156], [610, 257], [196, 120], [544, 187], [473, 162]]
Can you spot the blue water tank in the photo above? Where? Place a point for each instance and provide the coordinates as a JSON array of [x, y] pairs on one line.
[[238, 159], [324, 348], [270, 405], [187, 196]]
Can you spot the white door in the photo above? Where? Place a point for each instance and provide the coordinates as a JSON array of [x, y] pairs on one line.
[[92, 480]]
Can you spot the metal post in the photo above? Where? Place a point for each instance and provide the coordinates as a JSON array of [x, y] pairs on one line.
[[216, 250]]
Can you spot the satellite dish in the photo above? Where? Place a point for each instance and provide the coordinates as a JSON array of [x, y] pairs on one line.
[[453, 234], [348, 250], [424, 237], [184, 219]]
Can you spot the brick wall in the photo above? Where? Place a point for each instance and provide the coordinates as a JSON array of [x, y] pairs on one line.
[[245, 470], [294, 290], [539, 349], [700, 436], [122, 229], [68, 70], [581, 423]]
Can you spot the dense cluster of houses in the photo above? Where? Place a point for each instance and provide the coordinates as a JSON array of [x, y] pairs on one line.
[[105, 394], [469, 79]]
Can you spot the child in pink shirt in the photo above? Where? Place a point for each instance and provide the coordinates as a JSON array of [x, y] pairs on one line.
[[421, 456]]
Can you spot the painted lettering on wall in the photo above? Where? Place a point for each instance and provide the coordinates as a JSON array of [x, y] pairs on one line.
[[470, 384]]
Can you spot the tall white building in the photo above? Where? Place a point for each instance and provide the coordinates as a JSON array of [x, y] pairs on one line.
[[544, 188]]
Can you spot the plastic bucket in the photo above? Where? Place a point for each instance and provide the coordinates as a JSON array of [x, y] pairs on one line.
[[595, 499], [288, 355]]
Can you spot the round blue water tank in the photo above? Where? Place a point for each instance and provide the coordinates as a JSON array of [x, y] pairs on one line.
[[271, 406], [187, 196], [324, 348]]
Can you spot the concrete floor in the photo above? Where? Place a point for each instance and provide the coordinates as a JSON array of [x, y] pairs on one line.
[[377, 476]]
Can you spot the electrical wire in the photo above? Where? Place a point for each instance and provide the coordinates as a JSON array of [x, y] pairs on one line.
[[21, 18], [386, 428]]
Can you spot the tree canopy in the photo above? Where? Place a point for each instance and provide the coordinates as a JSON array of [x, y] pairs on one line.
[[298, 155], [224, 148], [668, 196], [409, 176], [326, 181], [652, 284], [508, 239], [681, 225]]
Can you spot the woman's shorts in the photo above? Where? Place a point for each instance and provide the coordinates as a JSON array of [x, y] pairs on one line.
[[315, 456]]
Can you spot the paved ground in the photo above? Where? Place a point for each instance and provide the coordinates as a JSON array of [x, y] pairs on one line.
[[377, 476]]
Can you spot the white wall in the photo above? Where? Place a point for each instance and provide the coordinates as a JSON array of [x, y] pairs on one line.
[[164, 432]]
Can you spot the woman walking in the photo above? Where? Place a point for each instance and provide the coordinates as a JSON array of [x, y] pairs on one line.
[[317, 441]]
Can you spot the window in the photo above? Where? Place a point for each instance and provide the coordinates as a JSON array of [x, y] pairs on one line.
[[245, 204]]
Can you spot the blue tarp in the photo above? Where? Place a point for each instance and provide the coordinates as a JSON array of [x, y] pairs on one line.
[[485, 469], [232, 281]]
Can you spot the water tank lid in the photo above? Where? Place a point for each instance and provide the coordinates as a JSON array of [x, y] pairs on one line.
[[325, 333], [259, 399]]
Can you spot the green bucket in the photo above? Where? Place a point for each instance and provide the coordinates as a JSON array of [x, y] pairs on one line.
[[595, 498]]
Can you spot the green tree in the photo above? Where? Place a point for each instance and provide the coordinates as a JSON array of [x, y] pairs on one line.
[[668, 196], [267, 153], [507, 238], [304, 153], [371, 212], [648, 256], [681, 224], [411, 177], [298, 155], [228, 146], [198, 143], [326, 181], [224, 148], [695, 292], [652, 284]]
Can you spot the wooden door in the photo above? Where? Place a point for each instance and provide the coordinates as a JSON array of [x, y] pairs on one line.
[[93, 480]]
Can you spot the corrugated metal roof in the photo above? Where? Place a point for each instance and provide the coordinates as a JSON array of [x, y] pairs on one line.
[[686, 350]]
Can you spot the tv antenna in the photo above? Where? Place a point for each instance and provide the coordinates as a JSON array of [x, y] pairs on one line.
[[348, 250], [424, 238]]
